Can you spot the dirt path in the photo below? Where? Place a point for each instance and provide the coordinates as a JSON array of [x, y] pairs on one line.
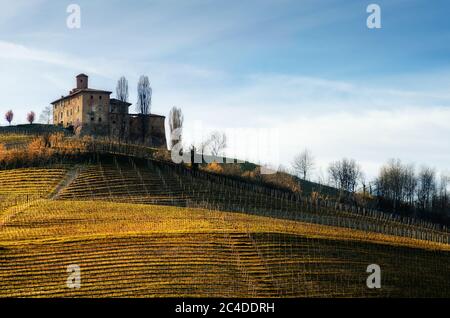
[[71, 175]]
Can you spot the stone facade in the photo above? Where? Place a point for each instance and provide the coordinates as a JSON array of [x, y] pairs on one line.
[[92, 112]]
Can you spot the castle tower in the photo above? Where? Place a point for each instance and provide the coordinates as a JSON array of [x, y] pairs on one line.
[[82, 81]]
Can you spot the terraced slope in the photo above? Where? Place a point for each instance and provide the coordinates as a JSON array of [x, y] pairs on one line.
[[125, 183], [23, 185], [154, 183], [104, 218], [31, 181], [158, 251]]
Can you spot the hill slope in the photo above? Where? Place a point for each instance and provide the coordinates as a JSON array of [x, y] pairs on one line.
[[156, 251], [139, 231]]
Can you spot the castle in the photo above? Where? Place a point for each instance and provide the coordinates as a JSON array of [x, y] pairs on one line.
[[91, 111]]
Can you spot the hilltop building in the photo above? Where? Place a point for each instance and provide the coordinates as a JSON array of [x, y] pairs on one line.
[[91, 111]]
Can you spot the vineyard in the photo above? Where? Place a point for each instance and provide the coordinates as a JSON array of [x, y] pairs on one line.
[[25, 185], [143, 228], [15, 140], [159, 251], [153, 182]]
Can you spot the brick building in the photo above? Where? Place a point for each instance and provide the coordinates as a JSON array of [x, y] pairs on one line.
[[93, 112]]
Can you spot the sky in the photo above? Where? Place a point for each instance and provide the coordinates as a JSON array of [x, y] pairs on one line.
[[291, 74]]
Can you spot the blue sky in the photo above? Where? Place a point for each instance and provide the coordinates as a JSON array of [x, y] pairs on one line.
[[310, 70]]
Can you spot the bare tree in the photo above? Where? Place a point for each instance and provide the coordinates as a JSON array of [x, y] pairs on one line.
[[31, 116], [144, 102], [443, 204], [217, 143], [391, 182], [176, 125], [144, 91], [410, 184], [46, 115], [345, 174], [9, 116], [203, 146], [303, 164], [402, 189], [122, 89], [426, 188]]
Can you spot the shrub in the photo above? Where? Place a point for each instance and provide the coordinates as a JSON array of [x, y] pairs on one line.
[[282, 180], [214, 167], [162, 155], [2, 152]]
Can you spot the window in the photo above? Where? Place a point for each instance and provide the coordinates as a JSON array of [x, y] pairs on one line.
[[99, 119], [100, 97], [92, 96], [92, 118]]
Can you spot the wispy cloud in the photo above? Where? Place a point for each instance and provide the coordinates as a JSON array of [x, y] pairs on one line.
[[12, 51]]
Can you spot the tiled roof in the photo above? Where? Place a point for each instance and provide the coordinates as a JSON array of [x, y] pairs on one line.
[[85, 90], [117, 101]]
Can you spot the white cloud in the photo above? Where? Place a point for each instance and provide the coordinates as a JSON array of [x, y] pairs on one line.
[[12, 51], [332, 118], [418, 135], [415, 135]]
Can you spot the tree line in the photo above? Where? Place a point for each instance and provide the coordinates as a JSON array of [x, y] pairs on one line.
[[398, 187]]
